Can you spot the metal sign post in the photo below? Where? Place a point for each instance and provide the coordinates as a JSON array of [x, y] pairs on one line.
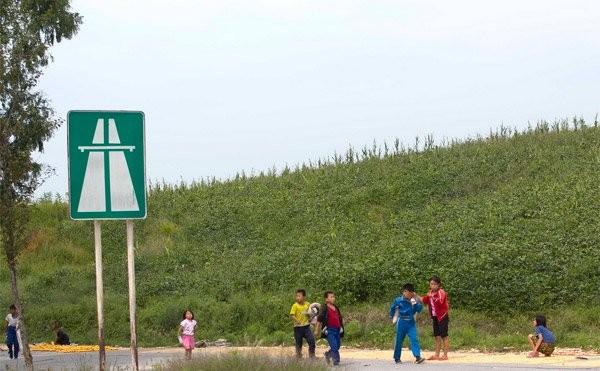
[[107, 180], [99, 292], [132, 303]]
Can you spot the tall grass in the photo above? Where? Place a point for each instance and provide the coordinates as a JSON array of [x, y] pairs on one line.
[[242, 362]]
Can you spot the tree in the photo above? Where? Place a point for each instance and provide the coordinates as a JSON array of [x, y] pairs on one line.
[[28, 29]]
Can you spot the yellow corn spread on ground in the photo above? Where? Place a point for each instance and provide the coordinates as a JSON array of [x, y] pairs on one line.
[[44, 347]]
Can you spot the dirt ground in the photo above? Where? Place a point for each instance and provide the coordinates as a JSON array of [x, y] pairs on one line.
[[562, 357]]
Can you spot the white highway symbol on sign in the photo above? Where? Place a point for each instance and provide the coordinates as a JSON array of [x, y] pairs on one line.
[[93, 192]]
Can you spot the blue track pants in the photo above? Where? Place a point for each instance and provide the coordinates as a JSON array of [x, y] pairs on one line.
[[403, 328]]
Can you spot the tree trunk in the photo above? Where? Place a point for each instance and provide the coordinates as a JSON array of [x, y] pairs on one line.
[[11, 258], [15, 293]]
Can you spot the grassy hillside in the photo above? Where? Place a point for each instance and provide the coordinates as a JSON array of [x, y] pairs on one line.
[[510, 222]]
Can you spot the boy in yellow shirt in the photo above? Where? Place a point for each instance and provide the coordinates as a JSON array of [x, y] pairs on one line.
[[299, 314]]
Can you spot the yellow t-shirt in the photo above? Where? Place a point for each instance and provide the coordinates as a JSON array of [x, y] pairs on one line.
[[299, 313]]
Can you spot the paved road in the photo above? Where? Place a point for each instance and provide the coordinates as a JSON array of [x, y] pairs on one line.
[[148, 359]]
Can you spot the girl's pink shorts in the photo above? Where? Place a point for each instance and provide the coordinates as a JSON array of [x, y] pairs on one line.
[[189, 342]]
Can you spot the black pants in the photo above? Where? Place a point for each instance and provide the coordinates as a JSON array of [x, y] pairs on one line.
[[440, 328], [304, 332]]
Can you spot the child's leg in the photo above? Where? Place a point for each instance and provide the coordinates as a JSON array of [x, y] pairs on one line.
[[310, 339], [298, 335], [438, 345], [532, 340], [10, 341], [9, 345], [16, 346], [400, 335], [546, 349], [446, 341], [414, 340], [334, 340], [438, 339], [335, 347], [443, 334]]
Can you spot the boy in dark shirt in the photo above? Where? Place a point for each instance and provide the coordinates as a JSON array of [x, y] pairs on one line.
[[61, 337], [331, 319]]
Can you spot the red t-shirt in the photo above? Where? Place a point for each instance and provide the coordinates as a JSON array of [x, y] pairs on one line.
[[333, 318]]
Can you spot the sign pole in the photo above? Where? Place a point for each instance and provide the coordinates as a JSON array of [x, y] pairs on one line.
[[99, 292], [132, 301], [107, 181]]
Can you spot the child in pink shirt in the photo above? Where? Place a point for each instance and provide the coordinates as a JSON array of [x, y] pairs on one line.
[[186, 331]]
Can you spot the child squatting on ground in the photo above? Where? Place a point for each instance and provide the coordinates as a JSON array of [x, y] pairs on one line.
[[437, 301], [61, 337], [12, 323], [330, 318], [543, 340], [403, 310], [186, 331], [300, 316]]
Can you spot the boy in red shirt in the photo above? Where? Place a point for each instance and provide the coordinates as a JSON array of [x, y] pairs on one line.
[[437, 301], [331, 319]]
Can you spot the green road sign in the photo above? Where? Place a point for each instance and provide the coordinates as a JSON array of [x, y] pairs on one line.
[[107, 165]]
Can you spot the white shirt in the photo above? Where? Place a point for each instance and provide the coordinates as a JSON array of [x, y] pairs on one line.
[[188, 326], [12, 321]]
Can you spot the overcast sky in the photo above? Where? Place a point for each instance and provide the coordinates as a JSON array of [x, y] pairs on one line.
[[242, 85]]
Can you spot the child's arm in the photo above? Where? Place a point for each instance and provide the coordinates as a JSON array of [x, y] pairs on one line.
[[295, 319], [179, 330], [320, 320], [317, 328], [419, 305], [539, 342], [393, 308], [443, 296], [292, 314]]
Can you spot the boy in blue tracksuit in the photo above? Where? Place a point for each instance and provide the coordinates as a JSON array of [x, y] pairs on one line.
[[407, 306]]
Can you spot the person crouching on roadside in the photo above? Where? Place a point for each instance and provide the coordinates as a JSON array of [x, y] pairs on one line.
[[61, 337], [543, 340]]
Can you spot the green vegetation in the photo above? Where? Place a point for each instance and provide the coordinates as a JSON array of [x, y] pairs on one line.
[[510, 223], [243, 362]]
